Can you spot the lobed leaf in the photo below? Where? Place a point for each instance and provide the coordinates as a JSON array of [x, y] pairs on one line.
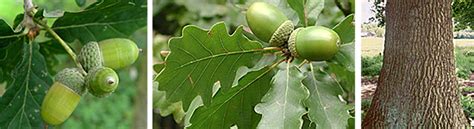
[[20, 105], [308, 10], [329, 84], [282, 107], [200, 58], [346, 30], [102, 20], [10, 45], [235, 107]]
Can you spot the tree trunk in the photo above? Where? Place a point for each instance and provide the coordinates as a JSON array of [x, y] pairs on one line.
[[417, 85]]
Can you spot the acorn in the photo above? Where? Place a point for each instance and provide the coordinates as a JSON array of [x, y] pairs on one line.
[[315, 43], [269, 24], [114, 53], [118, 52], [63, 96], [102, 81]]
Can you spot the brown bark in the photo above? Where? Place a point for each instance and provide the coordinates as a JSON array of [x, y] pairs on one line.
[[417, 85]]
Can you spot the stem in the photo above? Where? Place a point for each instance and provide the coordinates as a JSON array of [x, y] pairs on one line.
[[272, 48], [302, 63], [345, 11], [64, 44]]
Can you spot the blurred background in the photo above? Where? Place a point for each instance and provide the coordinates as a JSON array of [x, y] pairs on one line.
[[170, 16], [125, 108]]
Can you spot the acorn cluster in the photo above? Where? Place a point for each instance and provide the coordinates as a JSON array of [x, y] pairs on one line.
[[98, 60], [314, 43]]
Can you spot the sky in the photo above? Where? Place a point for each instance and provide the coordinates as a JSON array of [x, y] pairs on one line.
[[366, 13]]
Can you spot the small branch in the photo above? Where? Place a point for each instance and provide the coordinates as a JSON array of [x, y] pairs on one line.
[[345, 11], [61, 41], [302, 63], [272, 48], [29, 13]]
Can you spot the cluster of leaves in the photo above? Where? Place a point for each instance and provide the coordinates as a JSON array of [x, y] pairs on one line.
[[374, 29], [371, 65], [25, 66], [217, 80], [464, 62], [463, 13]]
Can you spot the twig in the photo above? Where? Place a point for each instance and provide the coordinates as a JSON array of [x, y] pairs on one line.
[[302, 63], [345, 11], [61, 41]]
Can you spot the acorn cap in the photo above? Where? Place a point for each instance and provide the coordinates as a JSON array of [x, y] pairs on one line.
[[91, 56], [72, 78], [292, 43], [102, 81], [282, 34]]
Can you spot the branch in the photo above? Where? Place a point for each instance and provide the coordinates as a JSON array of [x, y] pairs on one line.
[[345, 11], [28, 15], [64, 44]]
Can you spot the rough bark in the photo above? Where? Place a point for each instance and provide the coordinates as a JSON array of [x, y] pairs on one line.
[[417, 85]]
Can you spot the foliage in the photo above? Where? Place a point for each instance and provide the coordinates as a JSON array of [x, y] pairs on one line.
[[374, 29], [27, 66], [464, 63], [371, 65], [378, 8], [468, 106], [468, 89], [463, 14], [227, 80], [365, 106]]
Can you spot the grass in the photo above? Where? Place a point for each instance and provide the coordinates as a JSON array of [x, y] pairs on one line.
[[372, 46]]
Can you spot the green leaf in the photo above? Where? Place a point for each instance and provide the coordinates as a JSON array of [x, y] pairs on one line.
[[282, 107], [341, 67], [103, 20], [166, 108], [325, 109], [7, 35], [80, 3], [10, 45], [346, 30], [20, 105], [235, 107], [200, 58], [308, 10]]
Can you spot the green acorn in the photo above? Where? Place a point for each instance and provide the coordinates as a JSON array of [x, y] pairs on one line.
[[63, 96], [269, 24], [118, 52], [114, 53], [315, 43], [102, 81]]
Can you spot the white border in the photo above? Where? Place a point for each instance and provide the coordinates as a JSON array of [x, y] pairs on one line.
[[357, 61], [149, 53]]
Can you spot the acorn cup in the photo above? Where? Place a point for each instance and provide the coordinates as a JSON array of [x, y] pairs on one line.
[[102, 81], [114, 53], [314, 43], [63, 96], [269, 24]]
